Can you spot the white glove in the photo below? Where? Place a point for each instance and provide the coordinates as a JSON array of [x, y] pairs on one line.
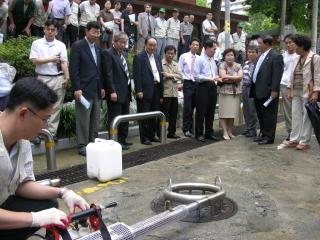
[[72, 200], [50, 216]]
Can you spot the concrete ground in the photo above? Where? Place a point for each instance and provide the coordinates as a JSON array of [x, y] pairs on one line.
[[277, 191]]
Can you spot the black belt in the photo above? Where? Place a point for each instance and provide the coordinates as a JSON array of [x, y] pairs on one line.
[[205, 82], [48, 75], [189, 80]]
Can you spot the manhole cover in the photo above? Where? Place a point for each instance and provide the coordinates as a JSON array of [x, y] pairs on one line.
[[220, 210]]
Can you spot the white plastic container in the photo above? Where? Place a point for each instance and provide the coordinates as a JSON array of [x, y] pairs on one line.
[[104, 160]]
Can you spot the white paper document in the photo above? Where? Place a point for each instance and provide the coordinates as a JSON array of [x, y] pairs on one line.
[[266, 103], [132, 17], [108, 25], [84, 102]]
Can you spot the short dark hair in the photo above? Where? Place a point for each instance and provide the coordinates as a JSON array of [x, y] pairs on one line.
[[302, 41], [170, 48], [33, 91], [50, 22], [147, 40], [209, 43], [228, 50], [252, 47], [194, 40], [290, 36], [268, 40], [93, 24], [117, 1]]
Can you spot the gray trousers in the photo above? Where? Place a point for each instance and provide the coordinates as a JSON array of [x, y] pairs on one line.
[[161, 44], [249, 110], [87, 121], [286, 107], [175, 43]]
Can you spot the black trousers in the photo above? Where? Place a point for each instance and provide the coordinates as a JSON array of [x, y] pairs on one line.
[[18, 204], [183, 48], [70, 35], [206, 100], [267, 117], [115, 109], [82, 32], [36, 31], [189, 103], [169, 107], [148, 127]]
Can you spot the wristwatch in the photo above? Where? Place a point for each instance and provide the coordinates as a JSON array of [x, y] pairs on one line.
[[61, 192]]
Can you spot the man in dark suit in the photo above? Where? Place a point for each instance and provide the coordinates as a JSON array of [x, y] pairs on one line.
[[147, 74], [265, 87], [117, 84], [85, 75]]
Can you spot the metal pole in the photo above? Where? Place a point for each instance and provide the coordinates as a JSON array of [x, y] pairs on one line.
[[227, 23], [283, 22], [50, 149], [314, 31], [139, 116]]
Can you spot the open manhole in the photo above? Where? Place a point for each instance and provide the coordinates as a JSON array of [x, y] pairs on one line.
[[219, 208]]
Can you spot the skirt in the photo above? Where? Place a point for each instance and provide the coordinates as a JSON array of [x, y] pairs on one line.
[[229, 105]]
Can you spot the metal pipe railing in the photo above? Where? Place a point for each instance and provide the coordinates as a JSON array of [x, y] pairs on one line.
[[113, 132], [50, 149], [50, 182]]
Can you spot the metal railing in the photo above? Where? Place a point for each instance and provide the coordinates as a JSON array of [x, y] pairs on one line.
[[139, 116], [50, 149]]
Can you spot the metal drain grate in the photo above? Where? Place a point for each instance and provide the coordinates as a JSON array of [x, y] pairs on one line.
[[220, 210]]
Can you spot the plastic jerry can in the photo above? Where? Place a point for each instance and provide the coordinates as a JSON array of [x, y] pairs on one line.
[[104, 160]]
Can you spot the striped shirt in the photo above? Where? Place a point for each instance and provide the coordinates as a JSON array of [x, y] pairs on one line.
[[247, 73]]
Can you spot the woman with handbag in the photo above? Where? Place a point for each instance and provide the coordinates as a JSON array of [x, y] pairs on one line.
[[229, 92], [303, 87]]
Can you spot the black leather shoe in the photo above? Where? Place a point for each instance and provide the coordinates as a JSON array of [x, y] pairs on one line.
[[251, 134], [188, 134], [200, 139], [154, 139], [265, 141], [124, 147], [174, 136], [36, 141], [211, 137], [82, 152], [127, 143], [257, 139], [147, 142]]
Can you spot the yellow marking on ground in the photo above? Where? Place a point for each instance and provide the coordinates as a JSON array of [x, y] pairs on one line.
[[99, 186]]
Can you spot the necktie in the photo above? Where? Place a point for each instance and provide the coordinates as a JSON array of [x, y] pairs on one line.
[[93, 51], [125, 65], [255, 74], [149, 24], [192, 66]]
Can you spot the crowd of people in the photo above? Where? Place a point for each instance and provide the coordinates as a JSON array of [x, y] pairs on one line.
[[167, 61]]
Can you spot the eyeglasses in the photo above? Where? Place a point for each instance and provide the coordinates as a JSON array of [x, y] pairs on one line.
[[44, 120]]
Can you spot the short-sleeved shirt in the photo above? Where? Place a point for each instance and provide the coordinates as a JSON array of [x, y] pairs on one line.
[[106, 16], [73, 19], [173, 29], [88, 13], [40, 14], [22, 13], [186, 28], [116, 15], [161, 26], [3, 12], [41, 48], [60, 8], [230, 88], [247, 73], [207, 24]]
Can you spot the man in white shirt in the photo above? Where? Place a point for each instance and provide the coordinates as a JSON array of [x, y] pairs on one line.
[[174, 29], [49, 55], [89, 11], [222, 42], [160, 32], [239, 41], [209, 28], [71, 33], [289, 58]]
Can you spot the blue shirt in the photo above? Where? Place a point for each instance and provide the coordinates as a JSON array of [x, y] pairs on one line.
[[206, 68]]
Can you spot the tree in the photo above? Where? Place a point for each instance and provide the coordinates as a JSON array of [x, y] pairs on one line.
[[298, 11], [216, 11]]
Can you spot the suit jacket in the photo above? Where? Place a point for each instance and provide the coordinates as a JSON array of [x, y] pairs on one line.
[[143, 24], [143, 75], [114, 75], [85, 74], [269, 76]]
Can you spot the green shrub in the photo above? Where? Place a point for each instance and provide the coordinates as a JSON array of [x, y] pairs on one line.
[[67, 124], [15, 51]]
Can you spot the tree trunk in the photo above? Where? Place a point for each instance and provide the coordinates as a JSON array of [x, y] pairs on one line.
[[216, 11]]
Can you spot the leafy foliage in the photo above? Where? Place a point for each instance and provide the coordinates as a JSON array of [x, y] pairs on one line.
[[299, 12], [259, 23], [202, 3], [67, 124], [15, 51]]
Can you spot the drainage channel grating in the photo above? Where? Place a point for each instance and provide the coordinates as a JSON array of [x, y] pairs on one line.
[[220, 210], [78, 173]]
